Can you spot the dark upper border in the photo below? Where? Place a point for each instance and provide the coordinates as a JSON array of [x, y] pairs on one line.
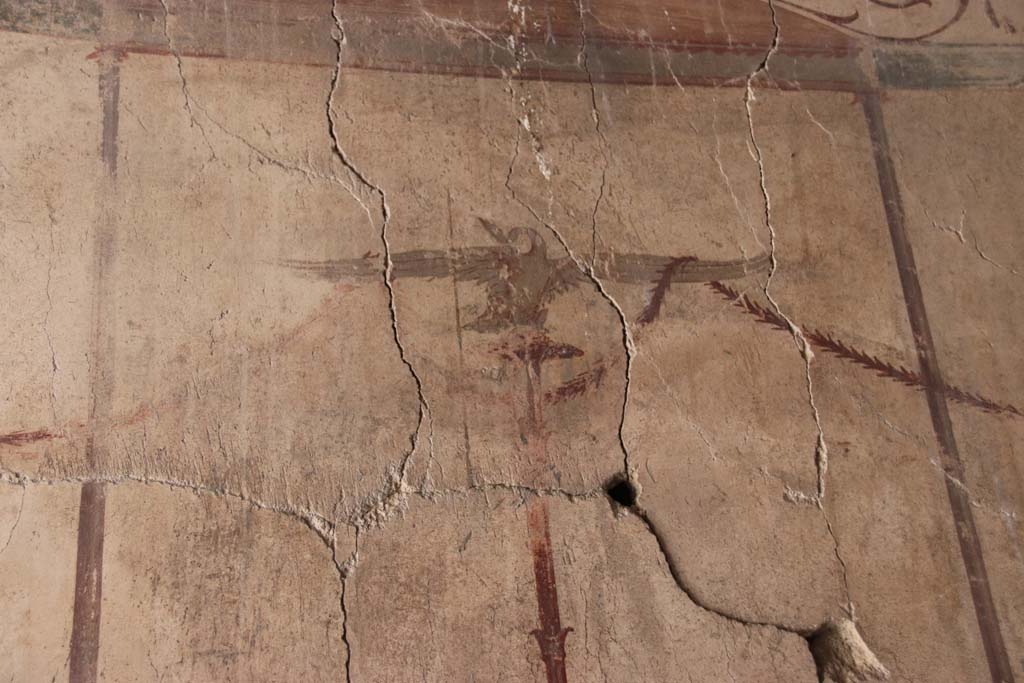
[[625, 44]]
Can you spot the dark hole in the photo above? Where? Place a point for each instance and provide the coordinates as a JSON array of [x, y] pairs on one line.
[[622, 492]]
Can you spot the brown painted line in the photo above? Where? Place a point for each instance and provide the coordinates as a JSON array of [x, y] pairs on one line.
[[528, 74], [550, 636], [963, 517], [135, 48], [85, 625], [470, 478], [920, 70], [653, 308], [606, 78]]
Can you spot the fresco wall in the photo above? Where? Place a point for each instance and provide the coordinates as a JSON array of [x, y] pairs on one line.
[[450, 340]]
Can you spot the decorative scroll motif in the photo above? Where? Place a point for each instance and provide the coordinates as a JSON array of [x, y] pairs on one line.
[[920, 19]]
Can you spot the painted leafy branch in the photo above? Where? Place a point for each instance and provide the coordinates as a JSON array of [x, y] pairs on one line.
[[829, 344]]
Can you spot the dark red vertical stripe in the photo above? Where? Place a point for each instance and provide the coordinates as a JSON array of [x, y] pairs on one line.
[[85, 625], [934, 386], [550, 636]]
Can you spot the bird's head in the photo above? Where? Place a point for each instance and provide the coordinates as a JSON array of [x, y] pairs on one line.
[[526, 241]]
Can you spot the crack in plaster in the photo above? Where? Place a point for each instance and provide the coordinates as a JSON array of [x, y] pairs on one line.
[[54, 368], [816, 122], [958, 232], [740, 211], [586, 269], [395, 497], [324, 529], [975, 501], [690, 593], [318, 522], [327, 532], [521, 490], [629, 344], [583, 60], [835, 646], [345, 570], [192, 104], [181, 74], [674, 395], [444, 24], [191, 101], [821, 446], [315, 521], [17, 519], [519, 53]]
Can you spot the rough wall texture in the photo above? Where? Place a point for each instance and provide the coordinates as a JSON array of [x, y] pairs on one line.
[[449, 340]]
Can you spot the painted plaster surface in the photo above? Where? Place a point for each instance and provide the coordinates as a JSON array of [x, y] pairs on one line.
[[484, 341]]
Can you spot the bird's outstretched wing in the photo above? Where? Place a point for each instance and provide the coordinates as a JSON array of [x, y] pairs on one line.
[[660, 272], [652, 270], [649, 269], [480, 264]]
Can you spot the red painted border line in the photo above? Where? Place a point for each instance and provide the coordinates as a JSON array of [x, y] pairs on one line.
[[935, 390]]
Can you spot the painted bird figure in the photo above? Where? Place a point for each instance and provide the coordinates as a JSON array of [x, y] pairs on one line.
[[521, 278]]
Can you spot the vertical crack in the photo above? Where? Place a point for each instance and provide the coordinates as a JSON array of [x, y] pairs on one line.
[[583, 59], [181, 74], [586, 268], [398, 492], [327, 532], [628, 343], [588, 271], [844, 571], [49, 311], [345, 570], [17, 519], [821, 446], [344, 630]]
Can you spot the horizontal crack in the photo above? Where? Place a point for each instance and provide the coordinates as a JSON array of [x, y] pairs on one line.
[[321, 525]]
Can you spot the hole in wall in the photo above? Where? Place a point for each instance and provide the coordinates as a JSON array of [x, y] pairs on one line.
[[622, 491]]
